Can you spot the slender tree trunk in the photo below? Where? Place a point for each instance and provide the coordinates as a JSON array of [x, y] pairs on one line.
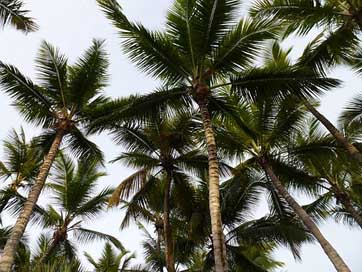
[[346, 201], [159, 235], [332, 254], [347, 204], [49, 251], [170, 262], [7, 258], [214, 191], [350, 148], [58, 236]]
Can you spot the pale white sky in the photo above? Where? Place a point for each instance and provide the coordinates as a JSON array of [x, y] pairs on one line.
[[71, 26]]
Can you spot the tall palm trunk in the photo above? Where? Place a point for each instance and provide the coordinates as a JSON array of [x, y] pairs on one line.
[[49, 251], [158, 242], [350, 148], [332, 254], [170, 262], [7, 258], [347, 204], [58, 237], [346, 201], [159, 235], [214, 190]]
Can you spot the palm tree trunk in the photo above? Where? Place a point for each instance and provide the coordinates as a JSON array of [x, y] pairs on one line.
[[170, 262], [214, 190], [351, 210], [50, 249], [8, 255], [350, 148], [332, 254], [346, 201], [159, 235]]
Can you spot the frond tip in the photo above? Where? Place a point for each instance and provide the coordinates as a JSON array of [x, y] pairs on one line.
[[12, 13]]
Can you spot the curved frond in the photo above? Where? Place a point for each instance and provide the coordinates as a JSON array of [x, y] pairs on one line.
[[52, 73], [88, 75], [152, 51], [86, 235], [31, 100], [12, 13]]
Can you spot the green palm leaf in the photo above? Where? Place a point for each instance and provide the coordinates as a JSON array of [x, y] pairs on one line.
[[12, 12]]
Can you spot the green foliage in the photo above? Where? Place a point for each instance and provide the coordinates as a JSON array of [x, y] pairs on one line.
[[338, 41], [75, 203], [63, 95], [111, 261], [12, 13], [254, 95]]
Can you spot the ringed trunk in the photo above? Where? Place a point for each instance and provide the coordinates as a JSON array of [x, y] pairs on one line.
[[350, 148], [214, 190], [7, 258], [170, 262], [332, 254]]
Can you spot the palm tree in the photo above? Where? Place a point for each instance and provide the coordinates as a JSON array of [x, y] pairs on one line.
[[64, 260], [153, 251], [73, 191], [12, 13], [20, 166], [204, 44], [59, 104], [146, 205], [22, 253], [334, 172], [249, 241], [111, 261], [261, 131], [338, 42], [161, 151]]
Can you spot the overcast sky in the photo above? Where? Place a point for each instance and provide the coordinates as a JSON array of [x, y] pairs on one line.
[[71, 25]]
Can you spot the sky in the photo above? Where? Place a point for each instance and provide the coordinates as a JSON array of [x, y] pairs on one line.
[[71, 26]]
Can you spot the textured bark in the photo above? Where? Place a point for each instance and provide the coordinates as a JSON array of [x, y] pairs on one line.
[[7, 258], [49, 251], [59, 236], [346, 201], [214, 191], [347, 204], [169, 254], [350, 148], [332, 254], [159, 237]]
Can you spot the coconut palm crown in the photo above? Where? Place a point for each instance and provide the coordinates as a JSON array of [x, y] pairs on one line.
[[59, 105], [75, 202], [203, 45]]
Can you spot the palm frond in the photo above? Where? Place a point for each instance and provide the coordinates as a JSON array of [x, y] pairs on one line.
[[88, 75], [241, 46], [352, 114], [301, 15], [137, 108], [86, 235], [257, 83], [329, 50], [152, 51], [82, 147], [34, 105], [129, 186], [52, 73], [12, 13]]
